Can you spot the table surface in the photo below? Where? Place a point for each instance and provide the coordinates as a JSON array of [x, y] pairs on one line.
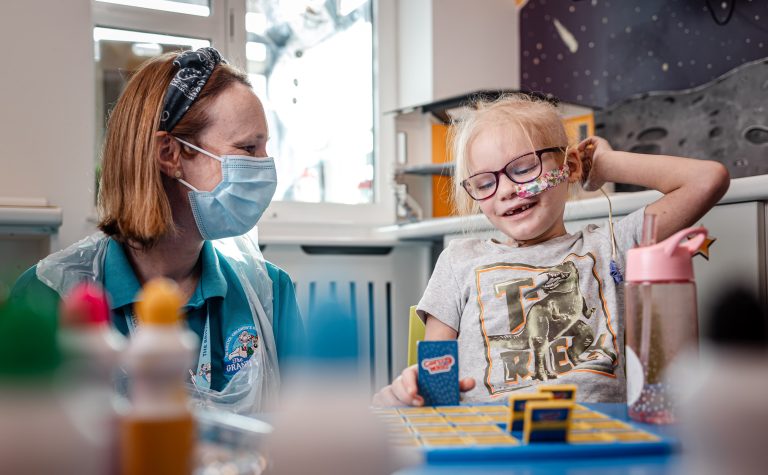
[[640, 465]]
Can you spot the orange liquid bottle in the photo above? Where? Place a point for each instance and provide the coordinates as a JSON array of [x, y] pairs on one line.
[[157, 434]]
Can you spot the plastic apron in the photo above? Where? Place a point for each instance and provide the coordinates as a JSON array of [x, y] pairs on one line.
[[254, 387]]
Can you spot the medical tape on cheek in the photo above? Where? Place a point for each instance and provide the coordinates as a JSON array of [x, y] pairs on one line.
[[546, 181]]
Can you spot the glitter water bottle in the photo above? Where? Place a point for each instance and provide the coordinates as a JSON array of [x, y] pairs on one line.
[[661, 318]]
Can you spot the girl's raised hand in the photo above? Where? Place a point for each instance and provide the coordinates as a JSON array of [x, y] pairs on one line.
[[590, 150], [404, 390]]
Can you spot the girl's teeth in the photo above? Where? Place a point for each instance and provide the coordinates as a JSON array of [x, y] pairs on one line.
[[519, 210]]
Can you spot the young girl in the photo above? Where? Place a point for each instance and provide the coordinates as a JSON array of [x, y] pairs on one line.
[[542, 305]]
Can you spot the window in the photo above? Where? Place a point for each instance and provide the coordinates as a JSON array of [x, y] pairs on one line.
[[190, 7], [312, 63]]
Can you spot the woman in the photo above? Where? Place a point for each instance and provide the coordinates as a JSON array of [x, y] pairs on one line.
[[185, 176]]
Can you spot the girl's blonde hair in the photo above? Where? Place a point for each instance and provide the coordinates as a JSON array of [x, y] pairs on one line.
[[539, 120], [133, 206]]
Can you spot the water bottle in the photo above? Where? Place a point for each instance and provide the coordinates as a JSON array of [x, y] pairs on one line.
[[661, 319]]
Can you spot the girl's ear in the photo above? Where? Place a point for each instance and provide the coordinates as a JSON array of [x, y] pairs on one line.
[[574, 165]]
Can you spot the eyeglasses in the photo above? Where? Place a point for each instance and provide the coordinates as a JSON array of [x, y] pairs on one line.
[[520, 170]]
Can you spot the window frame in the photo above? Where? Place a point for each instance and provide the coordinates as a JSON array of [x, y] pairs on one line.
[[212, 27]]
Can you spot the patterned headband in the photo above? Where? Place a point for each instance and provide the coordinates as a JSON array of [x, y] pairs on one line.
[[195, 67]]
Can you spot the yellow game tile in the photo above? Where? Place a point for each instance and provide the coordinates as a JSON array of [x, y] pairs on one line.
[[598, 415], [492, 409], [575, 425], [469, 419], [633, 436], [562, 392], [403, 429], [480, 429], [588, 437], [389, 417], [493, 440], [589, 416], [547, 419], [454, 410], [426, 420], [579, 407], [406, 442], [434, 430], [443, 441], [578, 415], [408, 411], [499, 419], [607, 424], [517, 408]]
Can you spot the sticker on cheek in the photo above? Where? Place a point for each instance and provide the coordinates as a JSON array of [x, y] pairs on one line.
[[546, 181]]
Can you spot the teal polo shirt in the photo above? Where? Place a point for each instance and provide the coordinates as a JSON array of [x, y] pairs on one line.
[[218, 297]]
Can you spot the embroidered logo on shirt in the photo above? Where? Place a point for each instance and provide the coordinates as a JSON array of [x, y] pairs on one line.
[[240, 346]]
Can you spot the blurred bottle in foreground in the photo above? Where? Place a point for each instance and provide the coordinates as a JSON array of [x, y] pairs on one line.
[[92, 349], [157, 433], [324, 425], [37, 432], [724, 414], [661, 319]]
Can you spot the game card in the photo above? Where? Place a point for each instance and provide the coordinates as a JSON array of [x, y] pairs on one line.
[[439, 372]]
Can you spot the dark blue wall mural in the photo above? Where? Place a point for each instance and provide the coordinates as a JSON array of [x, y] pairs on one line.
[[598, 52]]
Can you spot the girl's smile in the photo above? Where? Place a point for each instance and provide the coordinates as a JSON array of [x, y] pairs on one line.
[[521, 210]]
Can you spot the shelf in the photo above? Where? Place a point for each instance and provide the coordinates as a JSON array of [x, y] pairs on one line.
[[753, 188], [29, 219], [441, 109], [445, 169]]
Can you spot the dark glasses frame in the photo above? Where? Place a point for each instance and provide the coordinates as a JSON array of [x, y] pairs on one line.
[[497, 174]]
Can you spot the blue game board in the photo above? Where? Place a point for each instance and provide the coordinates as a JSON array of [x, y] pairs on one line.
[[468, 433]]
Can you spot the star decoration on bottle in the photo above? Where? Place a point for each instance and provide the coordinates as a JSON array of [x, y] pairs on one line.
[[703, 250]]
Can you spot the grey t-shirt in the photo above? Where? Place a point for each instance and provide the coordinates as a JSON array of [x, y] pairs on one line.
[[544, 313]]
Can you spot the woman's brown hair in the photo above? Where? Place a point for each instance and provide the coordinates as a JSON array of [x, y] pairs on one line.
[[133, 205]]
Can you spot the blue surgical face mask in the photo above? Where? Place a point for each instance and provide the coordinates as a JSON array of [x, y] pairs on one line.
[[236, 204]]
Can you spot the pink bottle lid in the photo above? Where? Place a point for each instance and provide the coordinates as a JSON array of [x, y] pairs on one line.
[[669, 260], [86, 304]]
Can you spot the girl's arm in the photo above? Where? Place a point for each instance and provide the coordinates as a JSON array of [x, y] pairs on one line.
[[404, 390], [691, 187]]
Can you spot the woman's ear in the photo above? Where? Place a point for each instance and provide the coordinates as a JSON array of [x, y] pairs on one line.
[[574, 165], [167, 154]]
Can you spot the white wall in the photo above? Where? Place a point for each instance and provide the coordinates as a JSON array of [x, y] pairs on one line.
[[47, 108], [476, 46], [414, 50], [448, 48]]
